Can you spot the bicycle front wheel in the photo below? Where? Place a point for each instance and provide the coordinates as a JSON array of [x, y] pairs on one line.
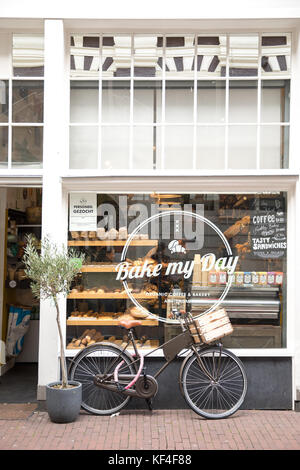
[[216, 387], [98, 359]]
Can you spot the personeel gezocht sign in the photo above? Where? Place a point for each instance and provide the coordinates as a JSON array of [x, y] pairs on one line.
[[83, 211]]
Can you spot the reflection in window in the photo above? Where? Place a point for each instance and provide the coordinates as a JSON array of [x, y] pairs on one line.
[[3, 146], [84, 99], [243, 56], [275, 100], [144, 147], [3, 100], [274, 147], [116, 56], [210, 147], [27, 101], [147, 101], [211, 55], [243, 101], [115, 147], [28, 55], [180, 55], [275, 51], [179, 101], [83, 147], [242, 147], [179, 147], [84, 56], [211, 101], [148, 52], [116, 101]]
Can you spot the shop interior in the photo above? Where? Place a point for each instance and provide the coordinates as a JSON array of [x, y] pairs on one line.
[[255, 228], [19, 310]]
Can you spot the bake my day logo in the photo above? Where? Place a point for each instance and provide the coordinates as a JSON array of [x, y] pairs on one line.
[[174, 262]]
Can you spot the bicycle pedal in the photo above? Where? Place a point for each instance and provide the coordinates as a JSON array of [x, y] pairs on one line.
[[120, 387]]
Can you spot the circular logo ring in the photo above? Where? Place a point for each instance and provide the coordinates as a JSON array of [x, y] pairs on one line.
[[165, 214]]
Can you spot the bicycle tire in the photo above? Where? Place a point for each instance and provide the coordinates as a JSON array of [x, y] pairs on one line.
[[222, 393], [94, 360]]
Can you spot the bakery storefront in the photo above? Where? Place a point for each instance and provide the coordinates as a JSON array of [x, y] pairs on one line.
[[145, 255], [172, 105], [157, 147]]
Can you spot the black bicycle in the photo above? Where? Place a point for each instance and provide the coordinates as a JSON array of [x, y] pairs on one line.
[[212, 379]]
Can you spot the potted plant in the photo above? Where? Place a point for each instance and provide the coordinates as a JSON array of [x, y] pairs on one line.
[[52, 269]]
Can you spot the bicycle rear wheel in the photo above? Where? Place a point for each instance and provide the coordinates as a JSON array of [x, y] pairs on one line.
[[217, 388], [94, 360]]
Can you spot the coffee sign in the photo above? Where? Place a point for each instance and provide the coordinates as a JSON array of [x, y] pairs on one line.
[[268, 230]]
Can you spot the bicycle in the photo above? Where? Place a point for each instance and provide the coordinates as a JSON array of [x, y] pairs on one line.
[[212, 379]]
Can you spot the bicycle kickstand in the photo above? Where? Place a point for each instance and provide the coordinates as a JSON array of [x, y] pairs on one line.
[[149, 404]]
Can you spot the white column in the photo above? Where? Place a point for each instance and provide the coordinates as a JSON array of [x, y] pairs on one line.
[[54, 220], [295, 165]]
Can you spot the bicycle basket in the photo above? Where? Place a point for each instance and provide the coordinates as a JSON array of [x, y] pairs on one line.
[[211, 326]]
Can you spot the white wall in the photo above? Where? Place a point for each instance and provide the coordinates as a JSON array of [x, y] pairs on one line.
[[154, 9]]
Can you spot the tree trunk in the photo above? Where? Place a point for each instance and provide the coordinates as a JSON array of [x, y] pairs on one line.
[[64, 374]]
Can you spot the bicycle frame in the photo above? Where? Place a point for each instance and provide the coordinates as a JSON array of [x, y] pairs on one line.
[[112, 381]]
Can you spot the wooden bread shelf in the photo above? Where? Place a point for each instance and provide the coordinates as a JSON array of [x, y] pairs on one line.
[[111, 295], [154, 343], [150, 322], [101, 268], [112, 242]]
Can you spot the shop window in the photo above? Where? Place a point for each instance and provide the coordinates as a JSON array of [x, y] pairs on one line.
[[28, 55], [147, 101], [200, 251], [148, 56], [116, 101], [275, 54], [84, 99], [84, 56], [183, 84], [243, 56], [211, 97], [22, 105]]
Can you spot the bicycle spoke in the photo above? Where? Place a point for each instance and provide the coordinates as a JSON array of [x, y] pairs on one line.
[[94, 398], [217, 388]]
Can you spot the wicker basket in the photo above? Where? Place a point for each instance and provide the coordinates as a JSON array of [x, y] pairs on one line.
[[211, 326]]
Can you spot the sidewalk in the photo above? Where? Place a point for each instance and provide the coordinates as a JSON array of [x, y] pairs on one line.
[[25, 427]]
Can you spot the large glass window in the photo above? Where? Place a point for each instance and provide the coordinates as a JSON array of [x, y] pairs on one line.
[[145, 252], [22, 104], [168, 90]]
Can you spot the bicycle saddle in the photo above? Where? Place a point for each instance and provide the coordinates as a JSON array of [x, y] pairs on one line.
[[129, 323]]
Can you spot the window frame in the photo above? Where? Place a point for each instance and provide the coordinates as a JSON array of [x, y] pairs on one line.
[[209, 185], [194, 124]]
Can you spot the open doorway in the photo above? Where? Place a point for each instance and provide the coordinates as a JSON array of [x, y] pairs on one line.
[[20, 215]]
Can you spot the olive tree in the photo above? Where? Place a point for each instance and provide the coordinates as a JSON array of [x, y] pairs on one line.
[[51, 269]]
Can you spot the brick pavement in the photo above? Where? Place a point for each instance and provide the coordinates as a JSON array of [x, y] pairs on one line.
[[161, 430]]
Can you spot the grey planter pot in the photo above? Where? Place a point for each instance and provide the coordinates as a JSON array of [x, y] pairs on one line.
[[63, 405]]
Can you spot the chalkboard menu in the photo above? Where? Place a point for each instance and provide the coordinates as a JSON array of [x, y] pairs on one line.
[[268, 228]]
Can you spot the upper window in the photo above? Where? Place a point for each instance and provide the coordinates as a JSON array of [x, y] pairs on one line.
[[21, 104], [179, 101]]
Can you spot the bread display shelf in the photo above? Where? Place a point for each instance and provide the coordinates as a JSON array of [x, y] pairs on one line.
[[112, 242], [101, 268], [154, 343], [89, 295], [107, 322]]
